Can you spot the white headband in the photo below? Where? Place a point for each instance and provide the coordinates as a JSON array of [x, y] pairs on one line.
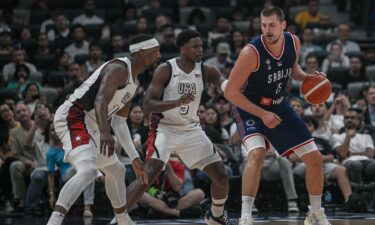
[[143, 45]]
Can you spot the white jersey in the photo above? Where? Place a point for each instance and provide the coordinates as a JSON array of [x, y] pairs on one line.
[[84, 96], [181, 83]]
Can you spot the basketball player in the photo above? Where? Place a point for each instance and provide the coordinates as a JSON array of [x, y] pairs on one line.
[[173, 97], [263, 115], [82, 125]]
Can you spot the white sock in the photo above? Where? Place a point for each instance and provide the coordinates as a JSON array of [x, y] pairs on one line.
[[56, 218], [315, 202], [247, 205], [123, 218], [217, 207]]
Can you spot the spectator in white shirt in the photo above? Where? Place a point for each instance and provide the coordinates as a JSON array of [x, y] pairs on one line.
[[343, 31], [88, 17], [18, 57], [356, 151], [79, 45]]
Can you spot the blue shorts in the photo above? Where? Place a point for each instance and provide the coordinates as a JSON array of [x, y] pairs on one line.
[[288, 136]]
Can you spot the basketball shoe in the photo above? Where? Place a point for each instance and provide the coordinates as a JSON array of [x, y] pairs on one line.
[[318, 218], [221, 220], [129, 221], [246, 221]]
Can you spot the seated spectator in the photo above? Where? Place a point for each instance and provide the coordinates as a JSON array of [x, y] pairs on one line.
[[60, 34], [307, 46], [95, 60], [31, 96], [212, 119], [370, 56], [222, 56], [168, 40], [311, 15], [88, 17], [21, 80], [255, 28], [173, 193], [18, 57], [42, 47], [55, 158], [238, 41], [35, 139], [79, 45], [62, 61], [6, 48], [21, 169], [355, 151], [25, 39], [160, 21], [135, 122], [356, 72], [324, 30], [332, 171], [221, 29], [370, 112], [298, 106], [335, 114], [343, 31], [223, 107], [335, 58], [141, 27], [117, 45], [195, 18]]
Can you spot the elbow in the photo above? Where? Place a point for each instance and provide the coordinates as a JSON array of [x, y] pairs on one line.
[[228, 94]]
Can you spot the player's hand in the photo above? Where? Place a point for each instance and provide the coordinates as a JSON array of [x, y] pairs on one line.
[[138, 167], [270, 119], [319, 73], [185, 99], [107, 144]]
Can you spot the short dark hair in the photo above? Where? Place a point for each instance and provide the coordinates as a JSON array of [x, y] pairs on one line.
[[75, 26], [273, 10], [185, 36], [95, 43], [139, 38], [311, 120]]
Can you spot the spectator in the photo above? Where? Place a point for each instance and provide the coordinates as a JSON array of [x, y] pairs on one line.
[[60, 34], [255, 28], [311, 15], [88, 17], [201, 113], [335, 58], [79, 45], [324, 30], [323, 129], [55, 157], [343, 31], [35, 139], [173, 193], [127, 17], [195, 18], [238, 41], [212, 120], [221, 29], [370, 113], [135, 122], [42, 48], [336, 112], [6, 48], [221, 57], [332, 171], [62, 61], [356, 72], [307, 46], [25, 38], [355, 151], [7, 122], [311, 63], [370, 56], [168, 41], [22, 168], [31, 96], [238, 14], [18, 57], [95, 60], [223, 107], [21, 80], [141, 27], [298, 106], [160, 21], [117, 45]]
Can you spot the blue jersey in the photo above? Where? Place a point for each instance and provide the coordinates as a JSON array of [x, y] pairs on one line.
[[267, 84]]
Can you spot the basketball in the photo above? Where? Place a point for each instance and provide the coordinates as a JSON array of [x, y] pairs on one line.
[[316, 89]]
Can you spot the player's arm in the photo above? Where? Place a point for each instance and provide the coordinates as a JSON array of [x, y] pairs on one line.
[[214, 76], [246, 63], [121, 130], [114, 75], [152, 102]]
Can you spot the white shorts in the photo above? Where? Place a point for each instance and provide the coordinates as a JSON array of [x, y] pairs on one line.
[[76, 136], [192, 146]]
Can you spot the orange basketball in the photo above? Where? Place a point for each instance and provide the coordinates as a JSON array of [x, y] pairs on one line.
[[316, 89]]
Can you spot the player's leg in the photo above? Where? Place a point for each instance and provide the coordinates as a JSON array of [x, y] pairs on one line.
[[84, 160]]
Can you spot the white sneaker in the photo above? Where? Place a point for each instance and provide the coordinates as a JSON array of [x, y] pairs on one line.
[[293, 207], [254, 209], [318, 218], [130, 221], [246, 221]]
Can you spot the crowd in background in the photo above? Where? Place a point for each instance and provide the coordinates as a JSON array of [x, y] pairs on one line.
[[53, 46]]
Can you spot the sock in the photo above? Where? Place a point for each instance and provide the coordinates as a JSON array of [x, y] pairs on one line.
[[247, 205], [217, 207], [56, 218], [123, 218], [316, 203]]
